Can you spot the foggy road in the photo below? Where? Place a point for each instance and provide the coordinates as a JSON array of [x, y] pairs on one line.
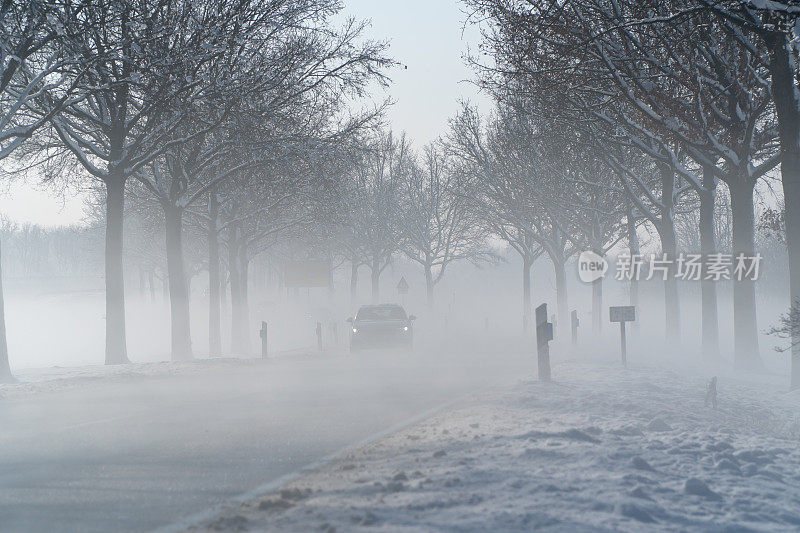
[[143, 453]]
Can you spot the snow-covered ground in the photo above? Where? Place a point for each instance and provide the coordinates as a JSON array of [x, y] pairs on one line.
[[57, 378], [601, 448]]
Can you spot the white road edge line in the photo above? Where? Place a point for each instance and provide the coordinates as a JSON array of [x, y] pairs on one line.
[[267, 488]]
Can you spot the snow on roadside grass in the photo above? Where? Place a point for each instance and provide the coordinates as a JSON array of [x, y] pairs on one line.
[[602, 448], [57, 378]]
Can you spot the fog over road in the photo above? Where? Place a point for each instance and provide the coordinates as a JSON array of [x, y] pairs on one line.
[[140, 453]]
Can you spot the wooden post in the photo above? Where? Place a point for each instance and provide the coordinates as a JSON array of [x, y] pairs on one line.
[[575, 324], [711, 393], [623, 344], [263, 333], [544, 334]]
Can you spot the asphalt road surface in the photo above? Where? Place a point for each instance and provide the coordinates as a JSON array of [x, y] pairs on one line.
[[137, 454]]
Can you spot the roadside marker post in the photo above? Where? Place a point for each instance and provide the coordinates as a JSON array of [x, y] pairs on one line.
[[544, 334], [575, 323], [263, 334], [622, 314]]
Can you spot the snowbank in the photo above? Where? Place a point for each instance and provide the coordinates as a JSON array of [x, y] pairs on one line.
[[601, 448], [57, 378]]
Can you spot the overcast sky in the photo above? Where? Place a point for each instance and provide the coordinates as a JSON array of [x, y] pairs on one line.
[[425, 35]]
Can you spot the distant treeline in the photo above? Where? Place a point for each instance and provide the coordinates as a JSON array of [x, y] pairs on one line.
[[34, 251]]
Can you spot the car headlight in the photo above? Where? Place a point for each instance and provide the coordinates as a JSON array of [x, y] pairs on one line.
[[405, 328], [355, 330]]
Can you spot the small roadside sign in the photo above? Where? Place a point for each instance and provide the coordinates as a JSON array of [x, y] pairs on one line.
[[402, 286], [622, 314]]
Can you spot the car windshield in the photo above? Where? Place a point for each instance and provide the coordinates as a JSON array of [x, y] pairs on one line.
[[381, 313]]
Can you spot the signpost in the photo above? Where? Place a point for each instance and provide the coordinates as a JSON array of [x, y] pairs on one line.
[[402, 289], [402, 286], [575, 323], [304, 274], [544, 334], [622, 314]]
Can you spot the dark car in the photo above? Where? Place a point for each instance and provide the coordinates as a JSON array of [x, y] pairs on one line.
[[381, 326]]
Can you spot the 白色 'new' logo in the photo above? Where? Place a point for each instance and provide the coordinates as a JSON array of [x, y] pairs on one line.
[[591, 266]]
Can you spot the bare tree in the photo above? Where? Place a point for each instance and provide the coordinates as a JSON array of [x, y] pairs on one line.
[[634, 71], [161, 63], [504, 200], [437, 225], [372, 202], [135, 51], [768, 31], [533, 151], [262, 205], [32, 64]]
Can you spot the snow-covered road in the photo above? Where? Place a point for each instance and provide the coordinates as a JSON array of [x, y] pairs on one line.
[[138, 452]]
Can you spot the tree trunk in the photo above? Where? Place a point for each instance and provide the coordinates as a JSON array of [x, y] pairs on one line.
[[353, 282], [526, 294], [745, 326], [669, 246], [634, 251], [214, 322], [597, 306], [178, 286], [224, 282], [429, 285], [331, 286], [376, 277], [244, 327], [142, 283], [238, 342], [5, 367], [562, 299], [151, 282], [116, 345], [791, 190], [787, 109], [708, 289]]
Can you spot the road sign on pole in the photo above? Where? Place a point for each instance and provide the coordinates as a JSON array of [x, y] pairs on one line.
[[402, 286], [622, 314], [304, 274]]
